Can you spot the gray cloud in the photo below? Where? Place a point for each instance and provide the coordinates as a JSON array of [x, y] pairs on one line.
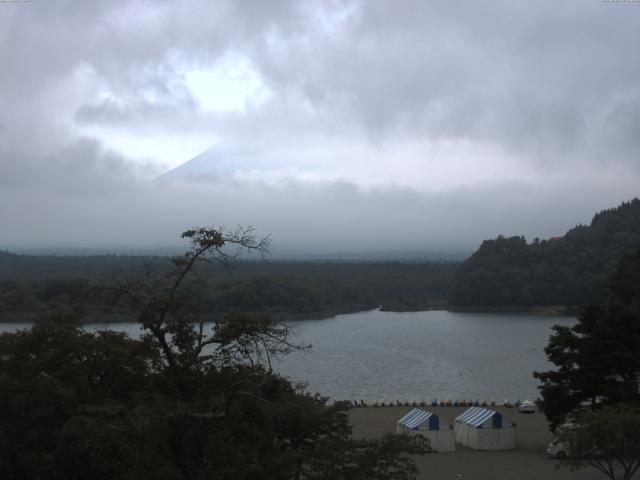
[[541, 102]]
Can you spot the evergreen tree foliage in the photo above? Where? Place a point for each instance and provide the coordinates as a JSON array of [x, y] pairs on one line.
[[571, 270], [598, 359]]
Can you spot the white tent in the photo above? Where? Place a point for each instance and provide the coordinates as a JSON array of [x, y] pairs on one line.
[[484, 429], [427, 424]]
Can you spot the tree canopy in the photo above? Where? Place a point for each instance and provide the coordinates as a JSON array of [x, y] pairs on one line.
[[34, 286], [182, 402], [598, 359], [607, 439], [571, 270]]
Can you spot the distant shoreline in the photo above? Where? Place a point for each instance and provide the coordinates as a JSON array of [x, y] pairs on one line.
[[547, 310], [542, 311]]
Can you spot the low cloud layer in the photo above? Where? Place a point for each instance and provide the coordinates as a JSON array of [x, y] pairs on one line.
[[361, 126], [305, 220]]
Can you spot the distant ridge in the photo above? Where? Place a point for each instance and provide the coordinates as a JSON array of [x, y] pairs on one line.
[[571, 270]]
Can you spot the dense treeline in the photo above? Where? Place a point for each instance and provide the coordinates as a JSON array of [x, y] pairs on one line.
[[30, 286], [571, 270], [53, 267]]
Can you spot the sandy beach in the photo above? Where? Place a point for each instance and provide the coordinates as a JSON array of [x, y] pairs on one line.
[[527, 462]]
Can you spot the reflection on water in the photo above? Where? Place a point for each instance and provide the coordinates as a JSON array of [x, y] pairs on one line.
[[387, 356]]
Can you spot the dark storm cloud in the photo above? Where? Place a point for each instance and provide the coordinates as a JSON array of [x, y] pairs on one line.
[[552, 87], [547, 80]]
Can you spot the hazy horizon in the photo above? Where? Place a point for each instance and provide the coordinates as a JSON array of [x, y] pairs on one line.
[[283, 252]]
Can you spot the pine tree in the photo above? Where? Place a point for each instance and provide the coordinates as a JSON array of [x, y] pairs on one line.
[[598, 359]]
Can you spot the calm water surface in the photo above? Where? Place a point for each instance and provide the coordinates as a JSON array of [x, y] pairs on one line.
[[388, 356]]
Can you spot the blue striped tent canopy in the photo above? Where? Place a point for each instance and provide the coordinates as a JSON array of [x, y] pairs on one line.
[[416, 417], [476, 416]]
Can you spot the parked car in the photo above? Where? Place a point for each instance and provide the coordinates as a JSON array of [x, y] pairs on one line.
[[527, 407], [558, 449]]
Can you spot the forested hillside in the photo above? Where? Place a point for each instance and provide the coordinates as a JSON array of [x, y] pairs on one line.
[[571, 270], [32, 286]]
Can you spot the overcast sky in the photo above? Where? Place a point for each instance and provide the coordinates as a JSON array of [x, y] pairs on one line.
[[336, 126]]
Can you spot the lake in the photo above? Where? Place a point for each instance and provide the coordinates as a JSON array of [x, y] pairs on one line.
[[389, 356]]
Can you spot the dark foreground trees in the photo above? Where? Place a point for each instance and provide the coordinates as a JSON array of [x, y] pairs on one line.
[[597, 382], [598, 359], [607, 439], [183, 402]]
